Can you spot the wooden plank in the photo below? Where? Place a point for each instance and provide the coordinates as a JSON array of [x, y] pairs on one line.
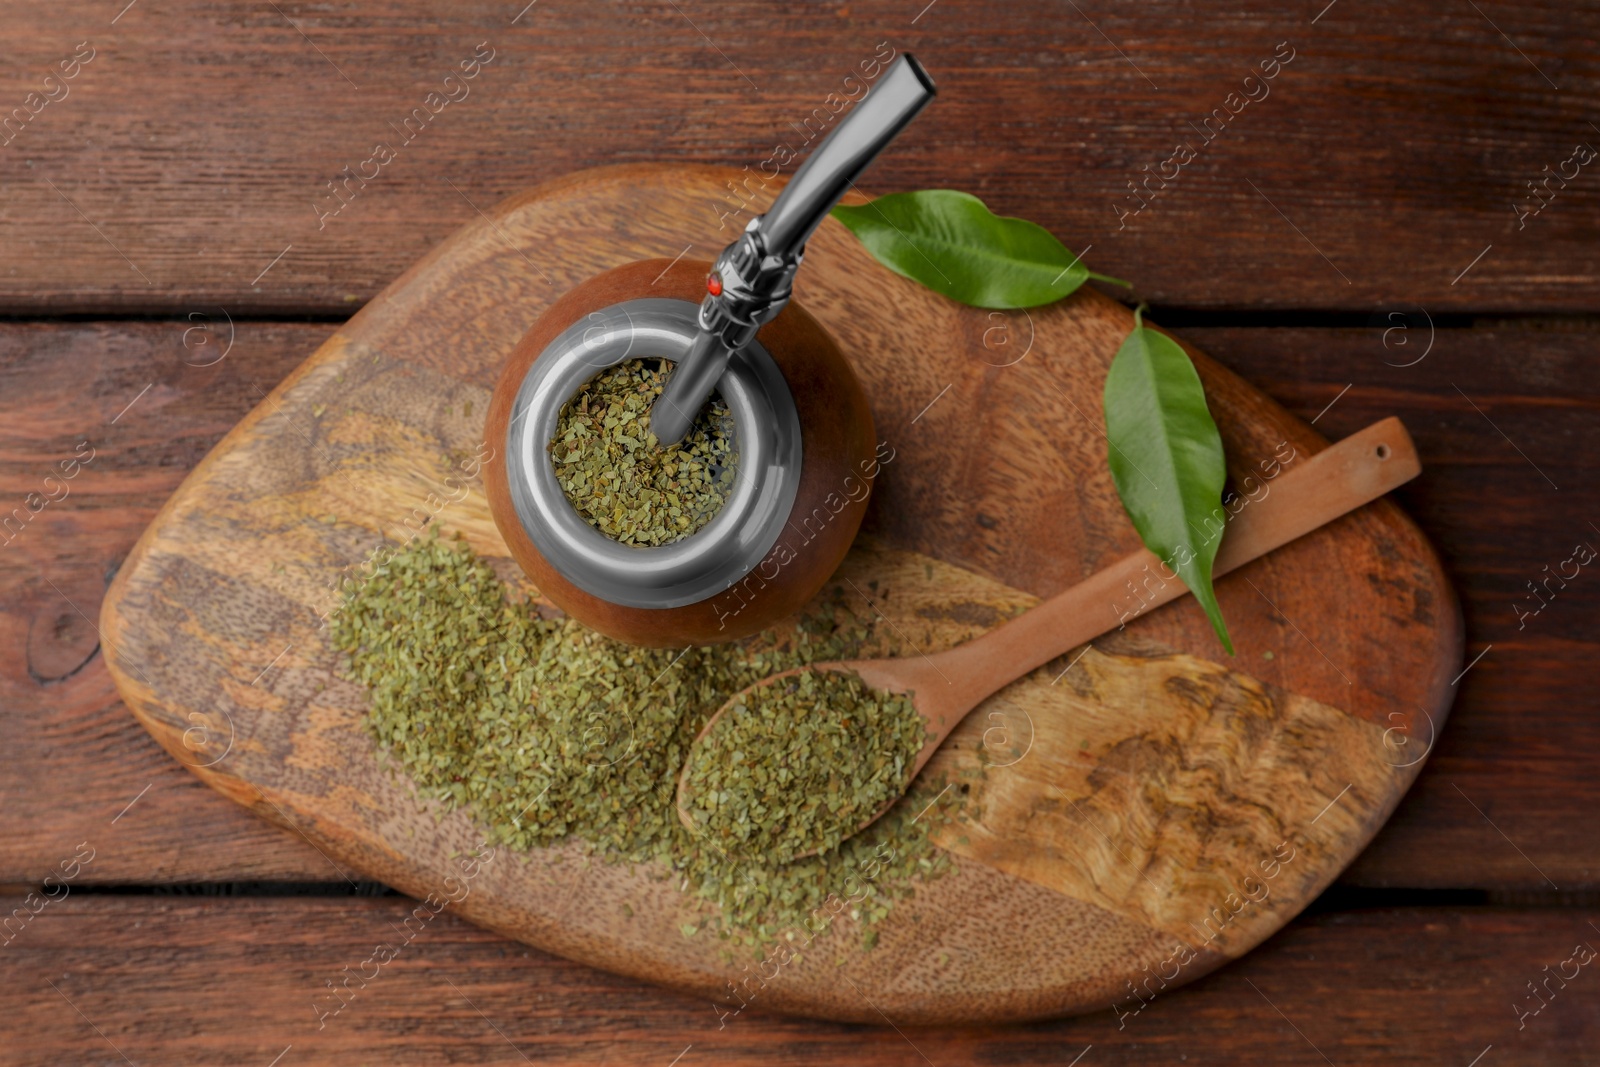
[[206, 980], [63, 383], [74, 756], [198, 145]]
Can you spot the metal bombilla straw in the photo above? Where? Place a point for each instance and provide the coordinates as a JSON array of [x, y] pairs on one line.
[[754, 276], [712, 345]]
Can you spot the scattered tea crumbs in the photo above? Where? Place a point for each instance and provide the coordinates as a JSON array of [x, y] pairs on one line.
[[795, 766], [617, 475], [546, 731]]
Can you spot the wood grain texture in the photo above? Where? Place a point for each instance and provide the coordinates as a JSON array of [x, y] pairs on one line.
[[74, 758], [1391, 151], [1503, 413], [205, 981], [61, 383], [198, 155], [1283, 773]]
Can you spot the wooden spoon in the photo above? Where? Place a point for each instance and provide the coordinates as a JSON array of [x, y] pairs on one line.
[[946, 686]]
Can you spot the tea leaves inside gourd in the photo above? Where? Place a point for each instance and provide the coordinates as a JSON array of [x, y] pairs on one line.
[[615, 472]]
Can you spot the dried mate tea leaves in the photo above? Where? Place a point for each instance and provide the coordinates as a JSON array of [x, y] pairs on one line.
[[798, 765], [544, 725], [613, 470], [548, 732], [762, 902]]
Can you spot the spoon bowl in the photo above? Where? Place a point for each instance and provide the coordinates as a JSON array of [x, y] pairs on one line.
[[868, 670]]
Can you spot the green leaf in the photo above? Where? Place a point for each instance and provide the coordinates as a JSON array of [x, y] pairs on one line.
[[1166, 459], [951, 243]]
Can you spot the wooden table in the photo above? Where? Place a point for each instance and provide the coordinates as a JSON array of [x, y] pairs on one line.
[[1360, 241]]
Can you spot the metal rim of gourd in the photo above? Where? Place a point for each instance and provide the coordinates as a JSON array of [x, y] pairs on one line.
[[766, 439]]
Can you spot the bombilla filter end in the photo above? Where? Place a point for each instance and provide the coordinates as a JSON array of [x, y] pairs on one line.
[[690, 382]]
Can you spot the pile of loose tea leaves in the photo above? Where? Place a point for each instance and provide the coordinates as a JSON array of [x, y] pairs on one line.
[[617, 475], [797, 765], [548, 732]]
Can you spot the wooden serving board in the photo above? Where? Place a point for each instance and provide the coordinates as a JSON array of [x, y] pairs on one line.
[[1151, 807]]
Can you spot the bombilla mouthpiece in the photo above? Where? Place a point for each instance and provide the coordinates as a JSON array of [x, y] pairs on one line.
[[887, 109], [753, 277]]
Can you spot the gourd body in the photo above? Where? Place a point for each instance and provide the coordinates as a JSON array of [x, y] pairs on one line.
[[839, 463]]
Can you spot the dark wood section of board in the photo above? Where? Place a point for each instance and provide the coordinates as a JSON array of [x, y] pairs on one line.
[[1502, 804], [1388, 156], [81, 982]]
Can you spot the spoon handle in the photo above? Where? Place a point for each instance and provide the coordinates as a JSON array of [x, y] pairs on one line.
[[1313, 493]]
